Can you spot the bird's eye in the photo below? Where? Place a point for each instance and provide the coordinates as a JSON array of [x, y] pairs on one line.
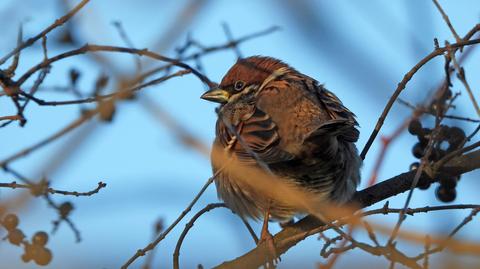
[[239, 85]]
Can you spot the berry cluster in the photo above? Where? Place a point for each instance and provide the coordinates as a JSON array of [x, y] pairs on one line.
[[34, 250], [447, 140]]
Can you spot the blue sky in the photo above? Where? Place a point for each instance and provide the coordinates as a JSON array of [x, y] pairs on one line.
[[359, 49]]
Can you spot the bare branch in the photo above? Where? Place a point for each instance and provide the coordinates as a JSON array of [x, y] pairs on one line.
[[98, 98], [15, 185], [401, 86], [96, 48], [152, 245], [447, 21], [188, 226], [57, 23], [309, 225]]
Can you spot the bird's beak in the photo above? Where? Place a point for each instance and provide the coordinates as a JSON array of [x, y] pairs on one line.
[[216, 95]]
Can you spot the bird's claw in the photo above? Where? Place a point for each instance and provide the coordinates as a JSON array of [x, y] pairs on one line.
[[272, 257]]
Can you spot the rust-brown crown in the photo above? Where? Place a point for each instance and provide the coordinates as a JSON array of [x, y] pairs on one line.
[[251, 70]]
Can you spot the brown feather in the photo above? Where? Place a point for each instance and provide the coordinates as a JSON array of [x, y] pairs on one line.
[[299, 129]]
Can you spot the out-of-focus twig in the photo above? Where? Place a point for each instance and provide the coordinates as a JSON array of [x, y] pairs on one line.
[[98, 98], [428, 112], [57, 23], [85, 117], [447, 21], [464, 222]]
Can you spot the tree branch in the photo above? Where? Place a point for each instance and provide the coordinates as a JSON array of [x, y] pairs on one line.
[[290, 236]]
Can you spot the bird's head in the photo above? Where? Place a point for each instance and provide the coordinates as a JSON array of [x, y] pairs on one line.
[[247, 76]]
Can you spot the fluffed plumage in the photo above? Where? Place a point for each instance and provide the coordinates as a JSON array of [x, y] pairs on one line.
[[299, 129]]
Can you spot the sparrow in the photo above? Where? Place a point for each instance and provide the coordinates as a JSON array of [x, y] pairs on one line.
[[275, 118]]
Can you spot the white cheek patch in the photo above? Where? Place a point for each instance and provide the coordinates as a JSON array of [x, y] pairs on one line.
[[276, 74], [244, 92]]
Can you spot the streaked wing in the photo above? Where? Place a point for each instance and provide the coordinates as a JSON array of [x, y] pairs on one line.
[[333, 105], [259, 134]]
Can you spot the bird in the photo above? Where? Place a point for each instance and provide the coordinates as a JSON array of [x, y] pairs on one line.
[[275, 118]]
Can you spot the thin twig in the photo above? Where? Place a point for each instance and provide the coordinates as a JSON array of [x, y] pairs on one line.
[[454, 154], [16, 58], [429, 112], [465, 221], [229, 35], [56, 224], [461, 76], [291, 235], [98, 98], [15, 185], [418, 173], [401, 86], [188, 226], [447, 21], [152, 245], [57, 23], [249, 229], [97, 48], [207, 50], [10, 118], [123, 35]]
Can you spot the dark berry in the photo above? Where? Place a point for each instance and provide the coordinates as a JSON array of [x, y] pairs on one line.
[[457, 132], [433, 155], [424, 185], [414, 166], [10, 221], [441, 153], [448, 182], [43, 256], [445, 195], [415, 127], [15, 236], [65, 209], [444, 133], [40, 238], [426, 131], [456, 138], [418, 150]]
